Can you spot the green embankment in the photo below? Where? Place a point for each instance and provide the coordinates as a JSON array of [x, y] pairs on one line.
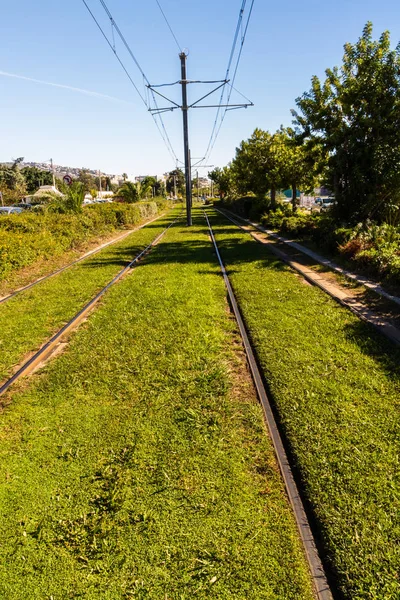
[[27, 320], [29, 237], [336, 386], [136, 465]]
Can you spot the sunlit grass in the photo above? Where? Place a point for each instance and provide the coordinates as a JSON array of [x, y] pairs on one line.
[[336, 386], [27, 320], [137, 464]]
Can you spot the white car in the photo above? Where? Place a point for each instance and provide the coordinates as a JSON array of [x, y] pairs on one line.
[[10, 210]]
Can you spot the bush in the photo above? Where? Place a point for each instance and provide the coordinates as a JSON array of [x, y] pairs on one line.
[[30, 236]]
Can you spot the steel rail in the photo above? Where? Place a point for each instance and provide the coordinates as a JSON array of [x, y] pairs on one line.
[[120, 238], [361, 311], [47, 349], [322, 261], [318, 576]]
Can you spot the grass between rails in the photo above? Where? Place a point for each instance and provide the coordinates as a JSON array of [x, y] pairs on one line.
[[27, 320], [137, 464], [336, 386]]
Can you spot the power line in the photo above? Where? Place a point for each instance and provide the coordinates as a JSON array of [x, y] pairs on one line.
[[239, 29], [235, 38], [169, 26], [160, 126], [115, 52]]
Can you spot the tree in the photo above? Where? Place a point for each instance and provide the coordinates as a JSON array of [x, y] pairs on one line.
[[75, 197], [147, 186], [355, 117], [34, 178], [124, 177], [130, 192], [224, 179], [179, 178], [12, 182], [257, 165], [88, 180], [296, 163]]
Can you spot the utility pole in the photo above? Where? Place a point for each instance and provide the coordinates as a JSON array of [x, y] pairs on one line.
[[198, 193], [174, 186], [52, 170], [185, 108]]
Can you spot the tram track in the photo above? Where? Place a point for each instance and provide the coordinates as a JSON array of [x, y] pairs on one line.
[[317, 572], [358, 308], [85, 256], [49, 347]]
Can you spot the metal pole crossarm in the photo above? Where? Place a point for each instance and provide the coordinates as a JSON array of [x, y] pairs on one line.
[[162, 96], [164, 84], [209, 94], [223, 106], [158, 111], [217, 81]]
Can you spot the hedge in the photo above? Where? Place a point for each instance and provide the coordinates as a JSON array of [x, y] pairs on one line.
[[28, 237]]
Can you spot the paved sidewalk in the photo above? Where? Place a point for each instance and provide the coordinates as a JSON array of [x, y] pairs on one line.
[[321, 260], [338, 293]]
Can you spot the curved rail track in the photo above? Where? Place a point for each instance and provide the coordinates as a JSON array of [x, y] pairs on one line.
[[119, 238], [362, 311], [48, 348], [319, 579]]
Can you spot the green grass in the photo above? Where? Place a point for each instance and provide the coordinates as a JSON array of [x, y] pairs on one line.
[[336, 386], [27, 320], [30, 237], [137, 464]]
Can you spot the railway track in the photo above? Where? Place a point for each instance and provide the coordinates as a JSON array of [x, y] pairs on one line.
[[119, 238], [50, 346], [361, 310], [317, 572]]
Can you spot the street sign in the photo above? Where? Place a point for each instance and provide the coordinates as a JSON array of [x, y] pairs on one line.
[[67, 179]]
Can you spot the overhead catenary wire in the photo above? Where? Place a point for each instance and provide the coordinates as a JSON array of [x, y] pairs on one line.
[[169, 26], [160, 123], [239, 31]]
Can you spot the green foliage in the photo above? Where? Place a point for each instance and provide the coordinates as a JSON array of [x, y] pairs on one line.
[[27, 237], [137, 465], [179, 178], [12, 182], [355, 116], [375, 248], [75, 197], [335, 383], [34, 178], [224, 180], [88, 180], [130, 192]]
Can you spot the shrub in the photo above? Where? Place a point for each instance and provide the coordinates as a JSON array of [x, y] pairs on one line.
[[29, 236]]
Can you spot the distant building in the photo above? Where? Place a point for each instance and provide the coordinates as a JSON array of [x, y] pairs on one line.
[[141, 178]]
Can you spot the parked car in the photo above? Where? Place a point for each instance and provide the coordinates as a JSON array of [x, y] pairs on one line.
[[10, 210]]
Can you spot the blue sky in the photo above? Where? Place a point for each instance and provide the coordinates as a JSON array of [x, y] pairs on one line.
[[58, 42]]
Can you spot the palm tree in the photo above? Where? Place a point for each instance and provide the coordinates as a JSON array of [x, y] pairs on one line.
[[130, 192], [124, 177]]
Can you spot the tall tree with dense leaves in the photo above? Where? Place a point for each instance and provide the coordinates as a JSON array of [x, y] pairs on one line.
[[296, 162], [224, 179], [34, 178], [12, 182], [355, 117], [257, 165], [179, 177]]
